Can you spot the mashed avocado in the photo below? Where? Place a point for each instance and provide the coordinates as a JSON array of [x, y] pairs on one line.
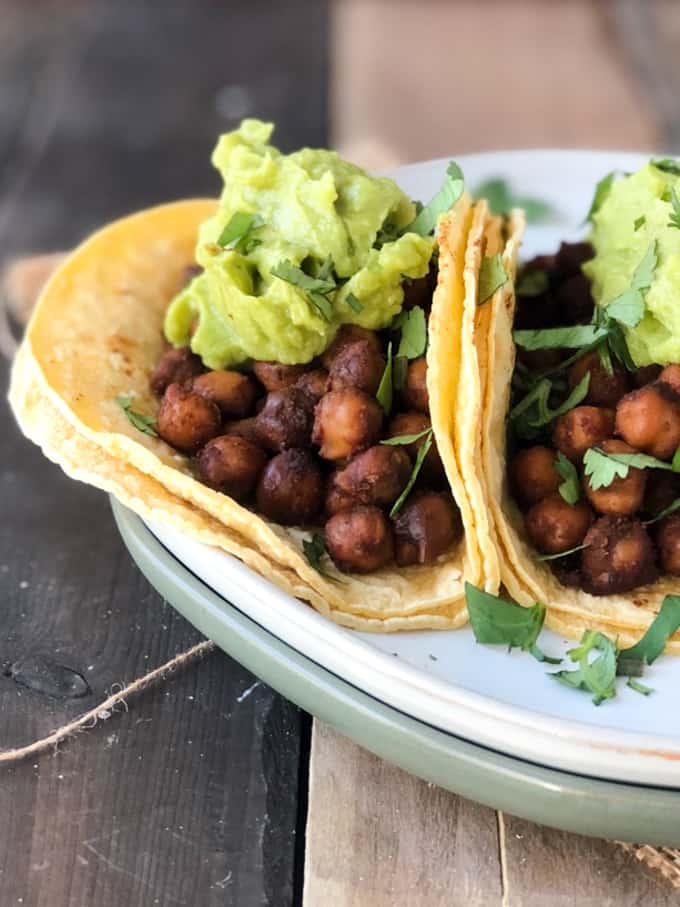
[[316, 212], [642, 199]]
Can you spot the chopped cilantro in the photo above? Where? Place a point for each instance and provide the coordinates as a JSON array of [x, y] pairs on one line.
[[495, 621], [547, 415], [314, 549], [492, 277], [413, 328], [533, 283], [667, 165], [629, 307], [602, 190], [652, 644], [662, 514], [596, 676], [502, 199], [554, 557], [574, 337], [602, 468], [639, 687], [399, 367], [354, 303], [406, 439], [384, 393], [639, 222], [316, 289], [145, 424], [236, 234], [570, 489], [675, 214], [423, 451], [449, 193]]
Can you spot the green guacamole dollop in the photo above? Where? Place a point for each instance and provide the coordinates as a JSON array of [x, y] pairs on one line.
[[619, 249], [313, 206]]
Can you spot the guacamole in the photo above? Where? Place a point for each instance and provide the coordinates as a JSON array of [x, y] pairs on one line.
[[309, 213], [636, 212]]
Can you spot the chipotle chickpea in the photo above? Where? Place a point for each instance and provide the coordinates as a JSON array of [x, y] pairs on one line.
[[414, 392], [425, 528], [231, 464], [668, 544], [618, 556], [285, 420], [174, 367], [604, 389], [413, 423], [359, 540], [623, 496], [232, 392], [358, 365], [671, 377], [346, 422], [290, 488], [275, 376], [376, 476], [349, 333], [533, 475], [315, 384], [554, 526], [186, 420], [649, 419], [582, 427]]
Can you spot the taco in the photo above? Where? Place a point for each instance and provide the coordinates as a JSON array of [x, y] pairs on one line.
[[304, 416], [581, 420]]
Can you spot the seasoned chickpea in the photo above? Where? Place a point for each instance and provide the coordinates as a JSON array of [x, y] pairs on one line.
[[412, 423], [533, 475], [668, 544], [231, 465], [357, 365], [581, 428], [618, 556], [671, 376], [662, 489], [540, 360], [574, 300], [624, 496], [232, 392], [349, 333], [426, 527], [604, 389], [646, 375], [174, 367], [243, 428], [649, 419], [414, 393], [315, 384], [419, 291], [336, 499], [285, 420], [346, 422], [570, 256], [186, 420], [554, 526], [275, 376], [359, 540], [376, 476], [290, 489]]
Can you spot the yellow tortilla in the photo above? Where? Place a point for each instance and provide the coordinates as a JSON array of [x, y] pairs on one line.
[[527, 580], [97, 334]]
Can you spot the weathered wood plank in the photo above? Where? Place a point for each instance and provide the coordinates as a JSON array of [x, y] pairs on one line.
[[378, 837]]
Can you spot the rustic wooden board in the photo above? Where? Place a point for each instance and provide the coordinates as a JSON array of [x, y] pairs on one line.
[[191, 797], [378, 837]]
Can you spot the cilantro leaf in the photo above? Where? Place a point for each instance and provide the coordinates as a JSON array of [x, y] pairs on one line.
[[492, 277], [639, 687], [495, 621], [675, 214], [314, 549], [423, 451], [572, 337], [667, 165], [532, 283], [384, 393], [502, 199], [602, 190], [236, 234], [354, 303], [602, 468], [662, 514], [145, 424], [675, 462], [316, 289], [578, 394], [629, 308], [413, 328], [399, 367], [652, 644], [596, 676], [406, 439], [449, 193], [639, 222], [570, 489], [554, 557]]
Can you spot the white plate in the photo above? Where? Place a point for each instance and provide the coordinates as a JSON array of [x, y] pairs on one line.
[[488, 696]]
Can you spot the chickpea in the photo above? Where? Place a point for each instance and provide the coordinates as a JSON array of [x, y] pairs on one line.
[[243, 428], [554, 526], [276, 377], [412, 423], [357, 365], [540, 360], [315, 384], [646, 375], [349, 333], [649, 419], [285, 420], [570, 256], [624, 496], [427, 526], [186, 420], [533, 475], [574, 300], [604, 389], [290, 488], [232, 392], [231, 465], [376, 476], [618, 556], [581, 428], [419, 291], [174, 367], [359, 540], [336, 499], [668, 544], [414, 393], [671, 376], [346, 422], [662, 489]]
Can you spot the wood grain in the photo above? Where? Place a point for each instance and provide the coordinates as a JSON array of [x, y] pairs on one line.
[[191, 796]]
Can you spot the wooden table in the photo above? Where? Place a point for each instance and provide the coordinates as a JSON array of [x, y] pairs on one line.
[[198, 795]]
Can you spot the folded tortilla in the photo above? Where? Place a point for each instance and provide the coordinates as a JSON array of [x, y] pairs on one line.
[[96, 334], [526, 579]]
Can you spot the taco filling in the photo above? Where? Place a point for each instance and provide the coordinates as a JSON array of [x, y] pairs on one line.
[[594, 417]]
